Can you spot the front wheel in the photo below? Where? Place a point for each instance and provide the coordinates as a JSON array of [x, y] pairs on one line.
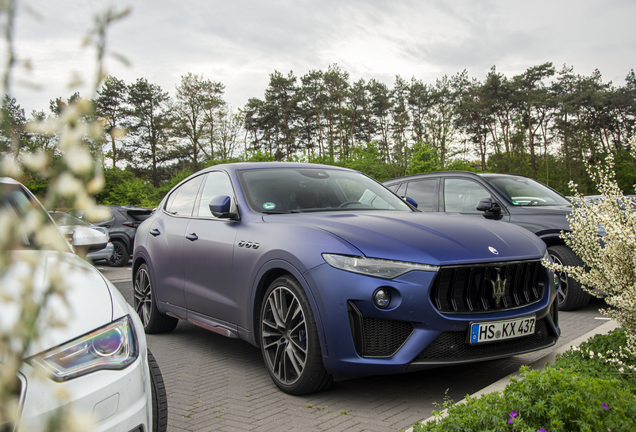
[[570, 296], [289, 339], [145, 304], [120, 255], [159, 397]]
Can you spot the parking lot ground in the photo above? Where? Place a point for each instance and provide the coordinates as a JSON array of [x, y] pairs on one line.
[[216, 383]]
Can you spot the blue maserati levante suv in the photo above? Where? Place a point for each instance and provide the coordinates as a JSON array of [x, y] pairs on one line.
[[331, 274]]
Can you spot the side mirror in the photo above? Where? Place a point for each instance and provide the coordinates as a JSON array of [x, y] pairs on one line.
[[221, 207], [489, 206], [88, 238], [410, 201]]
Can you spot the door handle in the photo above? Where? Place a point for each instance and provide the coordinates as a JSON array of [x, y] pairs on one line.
[[155, 232], [192, 237]]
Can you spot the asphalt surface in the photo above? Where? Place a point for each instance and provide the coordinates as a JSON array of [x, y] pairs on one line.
[[216, 383]]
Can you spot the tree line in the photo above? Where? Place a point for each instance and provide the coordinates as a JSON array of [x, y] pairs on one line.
[[542, 123]]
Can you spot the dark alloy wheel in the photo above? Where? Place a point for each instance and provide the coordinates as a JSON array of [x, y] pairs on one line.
[[570, 295], [146, 307], [120, 255], [159, 397], [289, 339]]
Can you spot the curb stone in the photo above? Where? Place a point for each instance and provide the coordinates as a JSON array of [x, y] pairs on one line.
[[538, 364]]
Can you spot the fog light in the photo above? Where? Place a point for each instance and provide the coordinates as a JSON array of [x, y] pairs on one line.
[[381, 297], [556, 279]]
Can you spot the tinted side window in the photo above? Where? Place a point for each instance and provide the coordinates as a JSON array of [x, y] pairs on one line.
[[463, 195], [424, 192], [181, 201], [217, 183]]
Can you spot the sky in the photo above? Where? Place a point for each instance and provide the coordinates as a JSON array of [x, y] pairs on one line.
[[241, 42]]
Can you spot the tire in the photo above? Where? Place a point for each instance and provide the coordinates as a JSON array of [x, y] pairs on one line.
[[120, 255], [570, 295], [159, 397], [289, 344], [145, 304]]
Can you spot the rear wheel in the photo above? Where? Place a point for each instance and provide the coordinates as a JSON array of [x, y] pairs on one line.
[[159, 397], [570, 295], [289, 339], [120, 255], [145, 304]]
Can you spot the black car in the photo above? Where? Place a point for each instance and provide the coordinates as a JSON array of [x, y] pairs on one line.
[[509, 198], [122, 223]]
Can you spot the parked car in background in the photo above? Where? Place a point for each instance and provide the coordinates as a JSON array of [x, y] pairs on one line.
[[331, 274], [122, 223], [67, 224], [97, 362], [509, 198]]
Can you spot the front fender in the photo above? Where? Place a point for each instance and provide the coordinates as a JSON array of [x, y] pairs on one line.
[[280, 265]]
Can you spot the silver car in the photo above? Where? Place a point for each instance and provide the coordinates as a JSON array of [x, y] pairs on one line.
[[67, 224]]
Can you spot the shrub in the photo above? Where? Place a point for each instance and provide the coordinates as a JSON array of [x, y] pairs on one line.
[[603, 235], [568, 396], [599, 357], [553, 399]]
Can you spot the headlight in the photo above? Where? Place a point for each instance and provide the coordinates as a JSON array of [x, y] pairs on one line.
[[386, 269], [111, 347]]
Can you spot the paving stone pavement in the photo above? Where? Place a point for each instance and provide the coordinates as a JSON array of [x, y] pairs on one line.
[[216, 383]]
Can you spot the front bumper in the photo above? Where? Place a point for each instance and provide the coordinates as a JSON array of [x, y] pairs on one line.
[[411, 333]]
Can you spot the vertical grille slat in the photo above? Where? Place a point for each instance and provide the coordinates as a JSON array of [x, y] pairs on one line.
[[469, 289], [488, 288], [451, 292], [535, 283]]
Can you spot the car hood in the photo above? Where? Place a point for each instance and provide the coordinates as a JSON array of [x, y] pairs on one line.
[[430, 238], [87, 303], [540, 219]]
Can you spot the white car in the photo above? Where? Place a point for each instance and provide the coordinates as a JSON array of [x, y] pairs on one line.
[[98, 363]]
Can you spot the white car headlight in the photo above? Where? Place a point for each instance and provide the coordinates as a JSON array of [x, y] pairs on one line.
[[381, 268], [113, 346]]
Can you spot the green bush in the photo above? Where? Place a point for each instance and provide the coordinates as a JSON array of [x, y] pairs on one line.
[[578, 393], [596, 366]]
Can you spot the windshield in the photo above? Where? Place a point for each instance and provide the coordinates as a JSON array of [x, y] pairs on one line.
[[287, 190], [523, 191], [65, 219], [21, 212]]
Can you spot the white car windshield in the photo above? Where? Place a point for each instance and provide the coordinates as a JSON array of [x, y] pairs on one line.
[[16, 204], [291, 190]]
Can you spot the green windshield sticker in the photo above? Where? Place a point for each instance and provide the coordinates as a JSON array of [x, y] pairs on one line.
[[269, 206]]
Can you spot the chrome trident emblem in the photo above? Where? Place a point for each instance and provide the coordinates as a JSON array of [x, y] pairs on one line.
[[498, 287]]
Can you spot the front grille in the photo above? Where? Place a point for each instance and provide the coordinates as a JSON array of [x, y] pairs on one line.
[[488, 288], [377, 337], [452, 346]]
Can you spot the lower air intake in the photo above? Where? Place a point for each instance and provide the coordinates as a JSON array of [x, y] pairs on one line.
[[377, 337]]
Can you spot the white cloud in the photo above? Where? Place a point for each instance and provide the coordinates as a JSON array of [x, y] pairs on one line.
[[240, 43]]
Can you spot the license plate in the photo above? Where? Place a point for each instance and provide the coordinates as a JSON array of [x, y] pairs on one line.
[[494, 331]]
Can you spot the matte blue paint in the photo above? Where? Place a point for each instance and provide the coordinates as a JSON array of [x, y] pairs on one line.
[[214, 276]]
